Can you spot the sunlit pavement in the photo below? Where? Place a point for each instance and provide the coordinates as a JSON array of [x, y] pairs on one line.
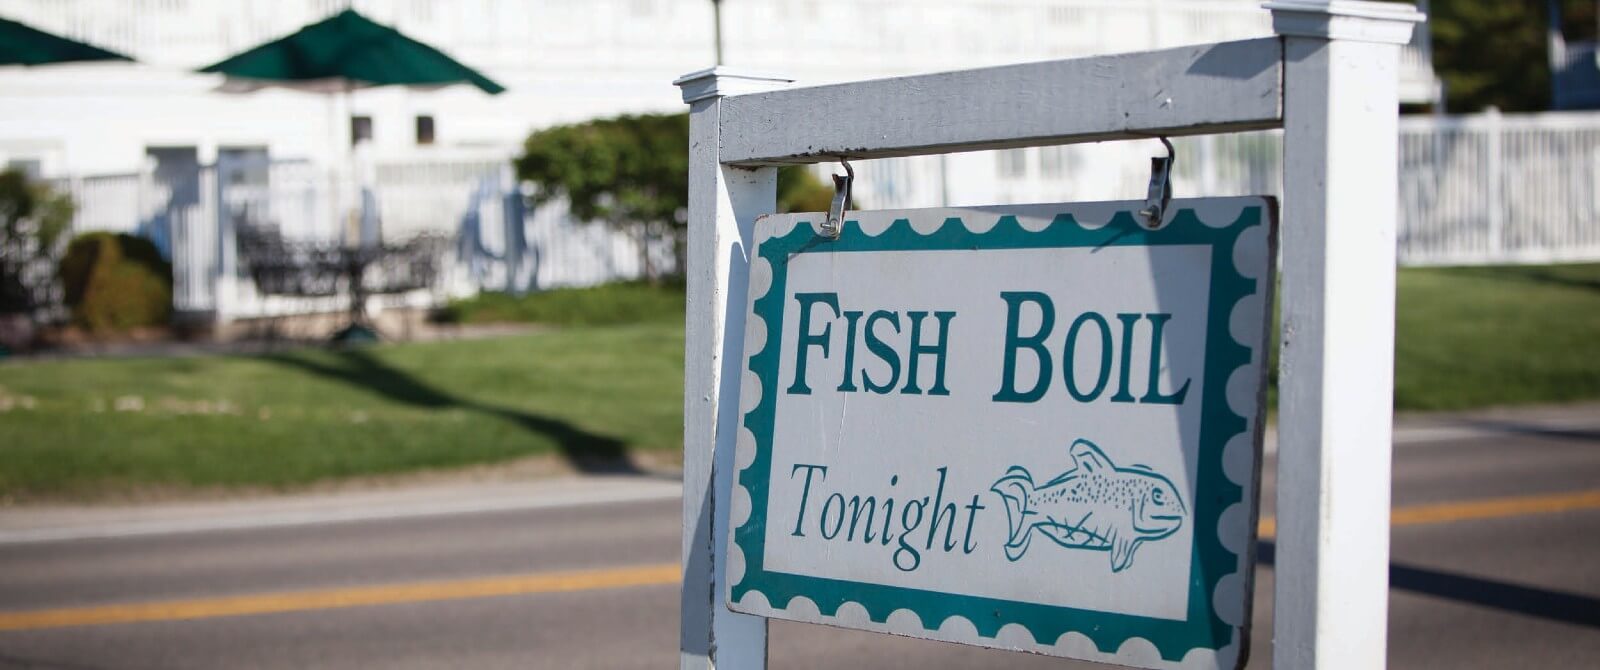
[[1496, 563]]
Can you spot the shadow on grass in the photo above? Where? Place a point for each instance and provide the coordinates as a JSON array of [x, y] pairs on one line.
[[1533, 601], [1536, 430], [588, 452], [1531, 274]]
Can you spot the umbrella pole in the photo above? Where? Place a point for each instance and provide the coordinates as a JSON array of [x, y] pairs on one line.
[[350, 167], [356, 255]]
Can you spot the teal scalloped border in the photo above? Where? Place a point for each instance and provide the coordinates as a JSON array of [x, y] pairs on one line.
[[1214, 492]]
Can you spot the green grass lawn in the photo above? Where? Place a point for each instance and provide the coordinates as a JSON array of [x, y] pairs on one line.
[[1468, 337], [1471, 337], [610, 304], [81, 427]]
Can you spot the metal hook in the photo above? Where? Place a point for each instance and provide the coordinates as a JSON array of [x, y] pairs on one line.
[[1159, 194], [841, 199]]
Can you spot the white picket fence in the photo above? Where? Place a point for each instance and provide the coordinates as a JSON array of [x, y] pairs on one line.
[[1481, 189]]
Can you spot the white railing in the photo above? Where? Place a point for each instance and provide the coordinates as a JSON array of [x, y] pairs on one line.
[[1477, 189], [104, 202], [1473, 190], [196, 217], [502, 246], [1500, 188], [413, 197]]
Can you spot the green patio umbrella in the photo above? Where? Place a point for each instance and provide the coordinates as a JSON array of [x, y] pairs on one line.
[[349, 51], [338, 55], [21, 44]]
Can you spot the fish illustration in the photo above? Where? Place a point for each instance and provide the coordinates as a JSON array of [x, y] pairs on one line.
[[1095, 505]]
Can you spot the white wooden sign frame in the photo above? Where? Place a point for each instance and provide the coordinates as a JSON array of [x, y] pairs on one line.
[[1329, 79]]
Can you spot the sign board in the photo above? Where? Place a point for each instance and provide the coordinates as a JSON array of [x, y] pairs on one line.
[[1031, 427]]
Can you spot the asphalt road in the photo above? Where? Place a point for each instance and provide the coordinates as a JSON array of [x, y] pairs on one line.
[[1496, 556]]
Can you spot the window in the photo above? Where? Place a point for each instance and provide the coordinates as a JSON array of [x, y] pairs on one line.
[[244, 166], [424, 129], [360, 129], [176, 171], [32, 167]]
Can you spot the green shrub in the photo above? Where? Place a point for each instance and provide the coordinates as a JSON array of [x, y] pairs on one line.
[[800, 191], [607, 304], [115, 282]]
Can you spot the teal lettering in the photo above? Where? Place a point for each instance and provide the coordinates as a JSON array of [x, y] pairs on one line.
[[972, 515], [936, 350], [888, 511], [882, 350], [848, 384], [807, 339], [805, 492], [1067, 357], [906, 552], [939, 509], [1129, 321], [1047, 318], [870, 504], [1153, 395], [838, 521]]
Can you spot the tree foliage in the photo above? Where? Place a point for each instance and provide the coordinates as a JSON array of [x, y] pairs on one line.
[[32, 220], [800, 191], [628, 170], [632, 172], [1495, 52]]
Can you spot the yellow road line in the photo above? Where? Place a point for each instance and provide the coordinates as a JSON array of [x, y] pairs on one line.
[[289, 601], [1492, 508], [660, 574]]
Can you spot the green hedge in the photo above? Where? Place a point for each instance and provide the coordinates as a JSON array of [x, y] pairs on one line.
[[115, 282]]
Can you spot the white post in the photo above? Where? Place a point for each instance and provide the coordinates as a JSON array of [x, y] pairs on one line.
[[1494, 166], [1336, 371], [723, 205], [226, 288]]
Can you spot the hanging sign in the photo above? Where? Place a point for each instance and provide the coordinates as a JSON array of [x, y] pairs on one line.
[[1029, 427]]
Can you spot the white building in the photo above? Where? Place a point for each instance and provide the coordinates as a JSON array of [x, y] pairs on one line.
[[179, 156], [561, 60]]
